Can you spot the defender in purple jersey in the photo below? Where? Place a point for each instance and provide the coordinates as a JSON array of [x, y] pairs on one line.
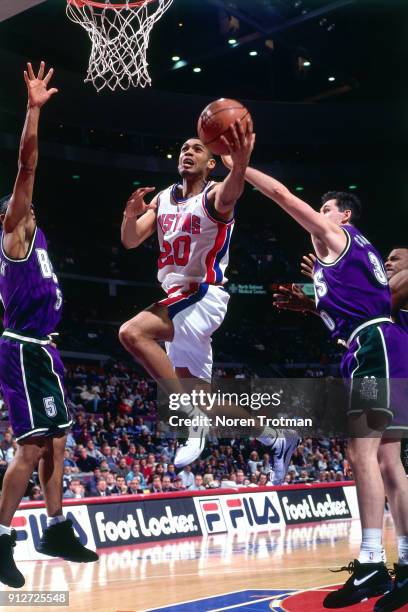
[[294, 299], [396, 267], [31, 371], [350, 269]]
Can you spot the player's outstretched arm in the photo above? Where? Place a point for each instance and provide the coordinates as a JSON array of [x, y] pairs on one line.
[[324, 230], [399, 290], [38, 95], [226, 194], [139, 218]]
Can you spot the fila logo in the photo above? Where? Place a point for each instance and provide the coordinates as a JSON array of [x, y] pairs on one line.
[[213, 516], [36, 525], [245, 508], [240, 511], [235, 511]]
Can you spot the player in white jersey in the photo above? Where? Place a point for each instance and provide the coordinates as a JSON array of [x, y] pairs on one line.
[[194, 249], [194, 221], [193, 241]]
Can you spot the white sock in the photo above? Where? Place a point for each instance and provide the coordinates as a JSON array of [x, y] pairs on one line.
[[371, 550], [269, 435], [5, 530], [403, 550], [54, 520]]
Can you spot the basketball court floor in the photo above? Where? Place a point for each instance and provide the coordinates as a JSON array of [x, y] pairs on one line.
[[284, 570]]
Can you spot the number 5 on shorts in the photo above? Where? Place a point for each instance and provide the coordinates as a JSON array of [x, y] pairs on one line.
[[50, 407]]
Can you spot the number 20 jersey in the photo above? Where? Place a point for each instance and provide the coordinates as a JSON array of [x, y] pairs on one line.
[[353, 289], [29, 290], [193, 244]]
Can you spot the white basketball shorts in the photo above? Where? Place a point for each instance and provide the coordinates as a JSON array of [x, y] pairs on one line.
[[197, 312]]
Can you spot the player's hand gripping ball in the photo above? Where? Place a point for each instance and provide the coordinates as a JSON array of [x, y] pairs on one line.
[[216, 120]]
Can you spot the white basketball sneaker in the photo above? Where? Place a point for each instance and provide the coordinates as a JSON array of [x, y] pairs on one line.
[[192, 449], [283, 451]]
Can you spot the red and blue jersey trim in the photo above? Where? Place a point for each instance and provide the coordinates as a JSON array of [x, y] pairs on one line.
[[222, 241], [208, 211], [181, 301]]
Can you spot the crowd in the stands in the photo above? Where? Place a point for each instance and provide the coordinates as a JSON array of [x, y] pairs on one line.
[[115, 447]]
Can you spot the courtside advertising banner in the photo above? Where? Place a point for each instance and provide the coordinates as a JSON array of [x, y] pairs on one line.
[[143, 521], [126, 522], [316, 504]]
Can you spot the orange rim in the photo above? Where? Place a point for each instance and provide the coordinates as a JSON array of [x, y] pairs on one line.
[[103, 5]]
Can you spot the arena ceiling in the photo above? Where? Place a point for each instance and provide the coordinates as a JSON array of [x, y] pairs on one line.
[[361, 44], [331, 55], [310, 130]]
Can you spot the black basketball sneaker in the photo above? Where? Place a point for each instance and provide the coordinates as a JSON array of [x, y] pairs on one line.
[[398, 597], [9, 573], [366, 580], [59, 540]]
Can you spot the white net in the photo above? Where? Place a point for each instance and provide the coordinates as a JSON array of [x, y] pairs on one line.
[[120, 39]]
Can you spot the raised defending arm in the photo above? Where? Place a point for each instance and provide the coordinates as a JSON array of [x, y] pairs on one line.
[[330, 234], [315, 223], [38, 95]]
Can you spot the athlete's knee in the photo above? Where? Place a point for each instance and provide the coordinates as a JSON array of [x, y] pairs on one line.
[[355, 453], [363, 452], [131, 334], [388, 472], [389, 459]]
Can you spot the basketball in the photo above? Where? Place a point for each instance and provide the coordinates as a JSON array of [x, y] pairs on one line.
[[215, 121]]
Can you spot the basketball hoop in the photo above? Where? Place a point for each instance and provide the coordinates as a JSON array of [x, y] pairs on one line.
[[119, 34]]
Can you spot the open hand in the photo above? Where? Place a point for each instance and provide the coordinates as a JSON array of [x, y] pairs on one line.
[[38, 94], [292, 298], [307, 265], [136, 205]]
